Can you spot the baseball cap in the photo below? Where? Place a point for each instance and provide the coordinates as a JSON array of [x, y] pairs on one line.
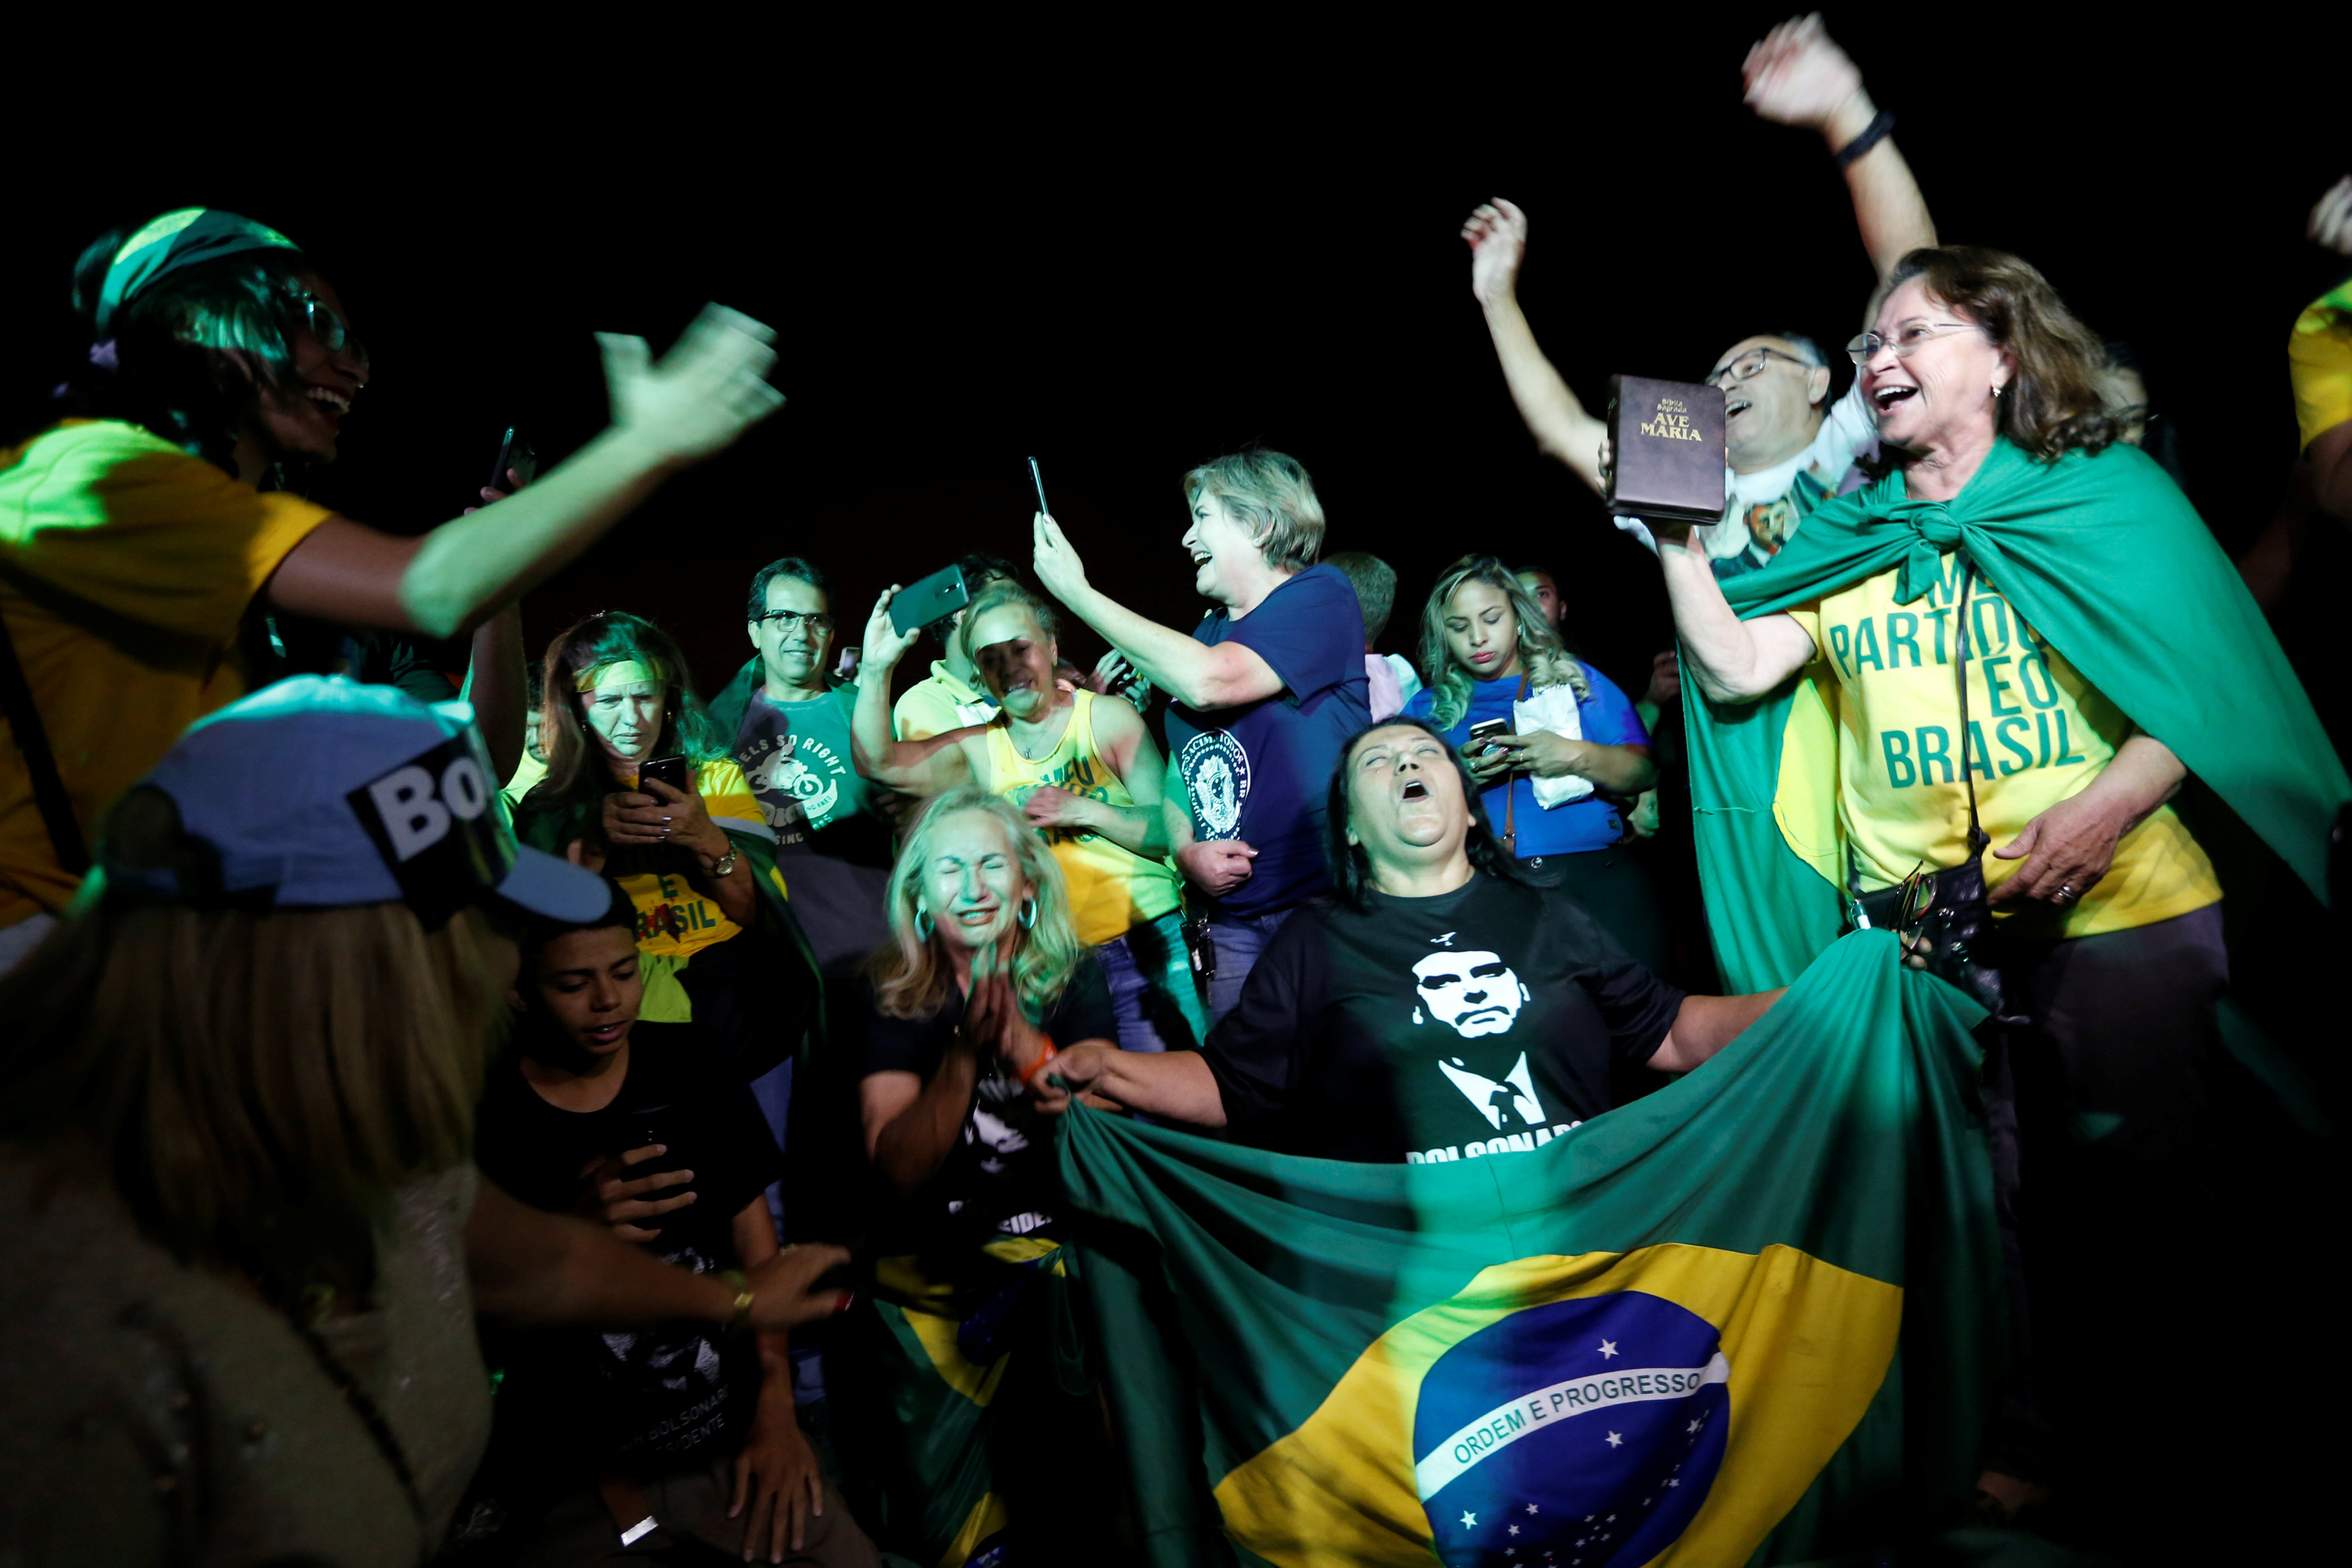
[[328, 792]]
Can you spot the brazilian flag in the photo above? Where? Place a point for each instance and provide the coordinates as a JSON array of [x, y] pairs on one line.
[[1755, 1316]]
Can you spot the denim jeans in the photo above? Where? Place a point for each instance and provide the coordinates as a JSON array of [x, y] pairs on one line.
[[1152, 991], [1238, 939]]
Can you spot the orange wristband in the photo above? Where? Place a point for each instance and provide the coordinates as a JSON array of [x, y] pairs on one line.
[[1038, 1066]]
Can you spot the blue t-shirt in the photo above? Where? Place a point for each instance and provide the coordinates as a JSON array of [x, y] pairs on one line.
[[1591, 823], [1260, 772]]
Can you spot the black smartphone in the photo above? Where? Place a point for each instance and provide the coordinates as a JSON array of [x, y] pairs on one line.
[[1039, 480], [941, 594], [670, 770], [514, 452], [655, 1126], [1486, 729]]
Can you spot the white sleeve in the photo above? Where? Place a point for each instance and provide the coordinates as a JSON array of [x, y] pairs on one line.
[[1849, 432]]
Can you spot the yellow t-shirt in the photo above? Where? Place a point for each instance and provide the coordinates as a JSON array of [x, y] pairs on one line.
[[2319, 361], [937, 704], [2038, 734], [1112, 888], [126, 570], [673, 919]]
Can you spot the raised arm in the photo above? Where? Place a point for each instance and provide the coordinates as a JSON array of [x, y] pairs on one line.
[[1732, 660], [1192, 673], [1498, 236], [705, 392], [930, 766], [1797, 75]]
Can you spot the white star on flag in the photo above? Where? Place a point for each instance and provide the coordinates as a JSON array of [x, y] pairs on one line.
[[1469, 1519], [1671, 1482], [1692, 1427], [1608, 1348], [1616, 1440], [1514, 1530], [1532, 1508]]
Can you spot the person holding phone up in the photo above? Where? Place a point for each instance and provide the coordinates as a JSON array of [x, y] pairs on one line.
[[1085, 775], [1262, 692], [1554, 744], [639, 786]]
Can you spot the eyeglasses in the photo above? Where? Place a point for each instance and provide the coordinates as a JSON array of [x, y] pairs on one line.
[[1750, 365], [1906, 339], [327, 324], [818, 623], [1918, 897]]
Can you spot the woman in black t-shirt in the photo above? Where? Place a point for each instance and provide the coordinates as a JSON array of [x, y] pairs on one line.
[[953, 1365], [1438, 1008]]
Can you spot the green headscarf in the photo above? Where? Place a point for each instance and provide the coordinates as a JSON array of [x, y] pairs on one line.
[[176, 240], [2107, 559]]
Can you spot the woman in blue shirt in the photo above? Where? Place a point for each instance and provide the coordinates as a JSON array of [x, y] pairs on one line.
[[1571, 748]]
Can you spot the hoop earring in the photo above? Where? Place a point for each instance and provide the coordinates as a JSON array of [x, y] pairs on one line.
[[923, 926], [1028, 914]]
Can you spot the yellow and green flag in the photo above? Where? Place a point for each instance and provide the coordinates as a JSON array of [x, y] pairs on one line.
[[1755, 1316]]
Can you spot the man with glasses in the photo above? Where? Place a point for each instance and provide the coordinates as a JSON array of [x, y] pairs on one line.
[[1786, 445], [791, 724]]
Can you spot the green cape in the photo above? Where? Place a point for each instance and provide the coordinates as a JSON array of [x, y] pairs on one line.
[[2107, 561]]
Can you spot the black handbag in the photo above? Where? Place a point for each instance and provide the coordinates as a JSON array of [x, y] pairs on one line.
[[1943, 914]]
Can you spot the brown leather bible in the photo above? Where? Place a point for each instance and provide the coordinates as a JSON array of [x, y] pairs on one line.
[[1666, 450]]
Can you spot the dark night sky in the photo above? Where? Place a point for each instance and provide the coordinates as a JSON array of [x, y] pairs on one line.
[[1131, 266]]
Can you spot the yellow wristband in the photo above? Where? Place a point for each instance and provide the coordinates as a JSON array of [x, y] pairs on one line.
[[743, 1300]]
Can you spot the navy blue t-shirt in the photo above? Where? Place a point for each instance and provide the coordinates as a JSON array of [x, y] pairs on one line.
[[1260, 772], [1591, 823]]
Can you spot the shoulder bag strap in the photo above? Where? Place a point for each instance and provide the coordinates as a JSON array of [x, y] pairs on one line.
[[1977, 837], [33, 741]]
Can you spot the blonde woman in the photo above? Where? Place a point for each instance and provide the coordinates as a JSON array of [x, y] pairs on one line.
[[1086, 776], [1572, 746], [984, 985], [1262, 693], [246, 1242]]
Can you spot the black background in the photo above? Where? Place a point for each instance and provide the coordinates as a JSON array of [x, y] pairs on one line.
[[1127, 255]]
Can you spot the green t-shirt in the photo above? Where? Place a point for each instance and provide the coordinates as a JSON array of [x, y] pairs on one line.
[[797, 758]]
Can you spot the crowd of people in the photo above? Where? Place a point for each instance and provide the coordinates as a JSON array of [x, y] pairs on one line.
[[399, 1164]]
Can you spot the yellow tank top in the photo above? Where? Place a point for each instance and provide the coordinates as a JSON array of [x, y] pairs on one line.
[[1111, 886]]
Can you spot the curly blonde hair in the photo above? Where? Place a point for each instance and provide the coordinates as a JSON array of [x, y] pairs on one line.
[[911, 976], [1541, 653]]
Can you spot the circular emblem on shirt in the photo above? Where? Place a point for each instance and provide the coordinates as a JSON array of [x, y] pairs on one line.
[[1217, 779], [1575, 1433]]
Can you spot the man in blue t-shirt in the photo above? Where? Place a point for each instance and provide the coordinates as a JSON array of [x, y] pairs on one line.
[[1264, 691]]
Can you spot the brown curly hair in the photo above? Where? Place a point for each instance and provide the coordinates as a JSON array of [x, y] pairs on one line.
[[2054, 406]]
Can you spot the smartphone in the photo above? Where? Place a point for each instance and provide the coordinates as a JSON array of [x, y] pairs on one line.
[[1486, 729], [941, 594], [1039, 480], [670, 770], [514, 452]]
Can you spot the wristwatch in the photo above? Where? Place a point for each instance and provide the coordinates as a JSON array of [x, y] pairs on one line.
[[725, 864]]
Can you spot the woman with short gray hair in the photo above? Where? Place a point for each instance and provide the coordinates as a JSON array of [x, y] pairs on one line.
[[1263, 691]]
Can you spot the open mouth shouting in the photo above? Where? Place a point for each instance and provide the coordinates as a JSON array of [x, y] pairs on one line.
[[1413, 789], [1736, 407], [332, 402], [1883, 398]]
